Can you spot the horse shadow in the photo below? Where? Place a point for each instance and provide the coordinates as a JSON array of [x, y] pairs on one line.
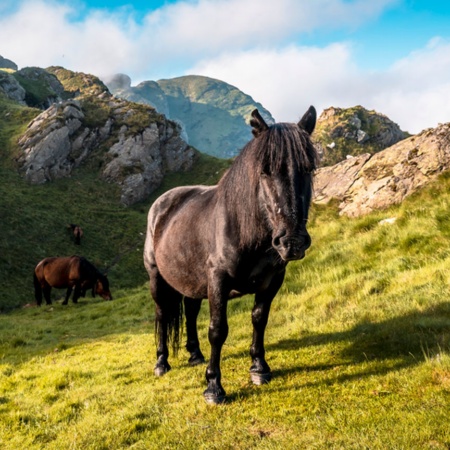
[[385, 346]]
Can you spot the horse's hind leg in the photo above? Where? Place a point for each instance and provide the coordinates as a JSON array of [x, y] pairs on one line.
[[166, 299], [191, 310], [46, 291], [68, 292]]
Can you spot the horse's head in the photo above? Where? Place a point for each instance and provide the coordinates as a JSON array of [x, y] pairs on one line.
[[285, 185], [102, 287]]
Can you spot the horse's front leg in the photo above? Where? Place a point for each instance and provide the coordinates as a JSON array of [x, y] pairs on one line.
[[76, 293], [191, 310], [217, 334], [260, 372]]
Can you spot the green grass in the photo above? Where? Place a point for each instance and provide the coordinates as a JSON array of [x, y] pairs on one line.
[[358, 340], [358, 337]]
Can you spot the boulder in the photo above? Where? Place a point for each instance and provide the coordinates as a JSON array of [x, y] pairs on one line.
[[7, 64], [342, 132], [371, 182], [11, 88]]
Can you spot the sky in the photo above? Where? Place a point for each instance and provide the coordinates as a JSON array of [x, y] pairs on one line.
[[391, 56]]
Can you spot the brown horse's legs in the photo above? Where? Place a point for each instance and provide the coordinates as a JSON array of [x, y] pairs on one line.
[[68, 292], [46, 290], [260, 371], [191, 310], [76, 293]]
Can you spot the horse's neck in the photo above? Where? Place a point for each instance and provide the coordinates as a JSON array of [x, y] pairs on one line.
[[247, 224]]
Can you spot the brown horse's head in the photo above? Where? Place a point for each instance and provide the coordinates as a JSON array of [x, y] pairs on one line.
[[102, 287]]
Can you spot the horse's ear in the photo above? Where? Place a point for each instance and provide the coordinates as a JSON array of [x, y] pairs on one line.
[[308, 121], [258, 124]]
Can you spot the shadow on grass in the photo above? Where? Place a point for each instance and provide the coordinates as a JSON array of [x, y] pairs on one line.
[[418, 334], [387, 346]]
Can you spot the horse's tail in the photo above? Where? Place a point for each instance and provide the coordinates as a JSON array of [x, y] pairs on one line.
[[37, 289], [172, 312]]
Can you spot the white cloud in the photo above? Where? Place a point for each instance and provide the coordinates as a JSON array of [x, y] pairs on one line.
[[209, 26], [252, 44], [414, 92], [53, 33], [287, 81]]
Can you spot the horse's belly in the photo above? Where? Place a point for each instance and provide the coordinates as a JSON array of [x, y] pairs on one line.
[[181, 275]]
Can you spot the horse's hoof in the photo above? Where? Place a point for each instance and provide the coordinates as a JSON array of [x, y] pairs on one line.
[[161, 370], [214, 399], [260, 378], [196, 359]]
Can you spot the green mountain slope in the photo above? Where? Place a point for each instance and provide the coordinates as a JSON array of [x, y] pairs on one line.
[[213, 113]]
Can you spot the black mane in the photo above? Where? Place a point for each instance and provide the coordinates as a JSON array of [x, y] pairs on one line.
[[280, 144]]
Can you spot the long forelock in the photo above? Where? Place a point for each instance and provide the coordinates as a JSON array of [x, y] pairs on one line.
[[280, 144]]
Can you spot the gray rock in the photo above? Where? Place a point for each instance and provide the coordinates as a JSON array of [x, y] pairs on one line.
[[59, 140], [7, 64], [367, 183], [11, 88]]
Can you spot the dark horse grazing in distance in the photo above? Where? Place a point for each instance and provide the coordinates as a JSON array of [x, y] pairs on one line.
[[224, 241], [76, 231], [72, 273]]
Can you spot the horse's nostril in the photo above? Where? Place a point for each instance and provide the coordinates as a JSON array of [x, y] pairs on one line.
[[277, 241]]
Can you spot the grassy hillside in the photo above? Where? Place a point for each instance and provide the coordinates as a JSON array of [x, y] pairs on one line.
[[358, 338], [35, 218]]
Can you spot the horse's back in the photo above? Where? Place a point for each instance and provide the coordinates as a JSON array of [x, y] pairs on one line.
[[168, 206], [58, 272]]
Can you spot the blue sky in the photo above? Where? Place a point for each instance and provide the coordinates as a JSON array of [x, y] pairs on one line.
[[389, 55]]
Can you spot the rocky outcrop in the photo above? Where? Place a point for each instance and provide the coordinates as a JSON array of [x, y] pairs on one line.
[[7, 64], [370, 182], [42, 88], [133, 144], [11, 88], [353, 131]]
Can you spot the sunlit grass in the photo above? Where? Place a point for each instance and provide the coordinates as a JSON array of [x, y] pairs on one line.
[[358, 340], [358, 337]]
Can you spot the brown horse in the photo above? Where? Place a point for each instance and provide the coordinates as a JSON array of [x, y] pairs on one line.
[[72, 273], [77, 232]]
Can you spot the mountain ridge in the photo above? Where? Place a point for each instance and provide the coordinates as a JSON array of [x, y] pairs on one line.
[[214, 115]]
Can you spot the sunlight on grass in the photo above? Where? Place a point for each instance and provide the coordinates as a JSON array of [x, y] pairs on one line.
[[358, 340]]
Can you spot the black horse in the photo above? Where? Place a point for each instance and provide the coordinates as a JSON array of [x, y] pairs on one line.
[[72, 273], [236, 238]]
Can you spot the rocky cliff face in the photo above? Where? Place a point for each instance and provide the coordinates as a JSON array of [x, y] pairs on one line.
[[214, 115], [133, 145], [353, 131], [369, 182], [7, 64], [11, 88]]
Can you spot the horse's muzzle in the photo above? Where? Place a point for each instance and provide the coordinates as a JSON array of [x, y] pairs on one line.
[[291, 248]]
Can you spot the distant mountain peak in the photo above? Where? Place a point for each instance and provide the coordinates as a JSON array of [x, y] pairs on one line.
[[213, 114]]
